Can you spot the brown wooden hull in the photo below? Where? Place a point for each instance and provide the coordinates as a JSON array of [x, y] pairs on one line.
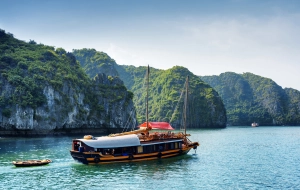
[[95, 158], [29, 163]]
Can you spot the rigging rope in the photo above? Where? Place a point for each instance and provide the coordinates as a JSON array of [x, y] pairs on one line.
[[181, 121], [174, 112], [129, 120]]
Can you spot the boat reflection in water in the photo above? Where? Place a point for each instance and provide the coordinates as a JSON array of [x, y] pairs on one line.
[[138, 145]]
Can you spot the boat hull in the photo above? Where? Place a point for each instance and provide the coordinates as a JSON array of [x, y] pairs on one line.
[[96, 158], [30, 163]]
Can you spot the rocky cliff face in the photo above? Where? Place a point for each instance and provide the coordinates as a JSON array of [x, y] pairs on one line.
[[43, 90], [269, 96], [293, 106], [67, 112], [116, 105], [251, 98]]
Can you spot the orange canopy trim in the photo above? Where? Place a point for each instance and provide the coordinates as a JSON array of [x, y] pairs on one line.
[[158, 125]]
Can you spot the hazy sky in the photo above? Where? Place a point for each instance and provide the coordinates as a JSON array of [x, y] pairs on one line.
[[208, 37]]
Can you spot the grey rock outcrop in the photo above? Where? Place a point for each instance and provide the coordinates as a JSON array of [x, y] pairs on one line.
[[66, 111], [44, 90]]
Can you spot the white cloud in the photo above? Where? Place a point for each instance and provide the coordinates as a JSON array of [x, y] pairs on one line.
[[126, 56], [265, 46]]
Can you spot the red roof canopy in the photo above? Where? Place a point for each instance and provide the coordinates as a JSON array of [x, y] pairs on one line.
[[157, 125]]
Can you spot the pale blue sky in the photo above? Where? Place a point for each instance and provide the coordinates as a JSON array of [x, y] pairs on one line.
[[208, 37]]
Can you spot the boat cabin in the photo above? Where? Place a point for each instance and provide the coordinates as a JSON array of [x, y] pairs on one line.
[[125, 145]]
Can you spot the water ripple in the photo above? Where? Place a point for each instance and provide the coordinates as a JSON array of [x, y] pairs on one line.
[[233, 158]]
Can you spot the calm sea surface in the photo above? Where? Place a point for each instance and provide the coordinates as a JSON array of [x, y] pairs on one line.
[[231, 158]]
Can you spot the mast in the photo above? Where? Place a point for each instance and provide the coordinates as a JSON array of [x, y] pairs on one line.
[[148, 73], [186, 101]]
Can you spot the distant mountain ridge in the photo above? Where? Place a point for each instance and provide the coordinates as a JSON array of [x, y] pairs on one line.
[[251, 98]]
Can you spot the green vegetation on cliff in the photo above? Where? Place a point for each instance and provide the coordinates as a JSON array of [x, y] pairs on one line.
[[251, 98], [207, 108], [94, 62], [50, 84], [29, 66]]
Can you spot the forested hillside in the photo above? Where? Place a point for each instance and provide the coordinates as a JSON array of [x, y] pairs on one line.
[[206, 107], [94, 62], [251, 98], [45, 89]]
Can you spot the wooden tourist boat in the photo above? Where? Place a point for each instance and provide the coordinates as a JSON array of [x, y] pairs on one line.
[[28, 163], [138, 145]]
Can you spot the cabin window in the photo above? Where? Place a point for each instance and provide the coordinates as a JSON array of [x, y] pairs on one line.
[[126, 151], [148, 149], [161, 147], [76, 145], [118, 151], [87, 148], [172, 146], [140, 149], [106, 151], [166, 146], [176, 145]]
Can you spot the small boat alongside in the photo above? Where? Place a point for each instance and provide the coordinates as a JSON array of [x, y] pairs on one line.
[[28, 163], [138, 145]]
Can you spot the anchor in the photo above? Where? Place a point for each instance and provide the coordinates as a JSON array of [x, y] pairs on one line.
[[195, 148]]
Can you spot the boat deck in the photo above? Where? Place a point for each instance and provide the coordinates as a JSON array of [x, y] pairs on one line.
[[160, 137]]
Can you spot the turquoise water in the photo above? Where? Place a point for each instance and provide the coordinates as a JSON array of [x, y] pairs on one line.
[[232, 158]]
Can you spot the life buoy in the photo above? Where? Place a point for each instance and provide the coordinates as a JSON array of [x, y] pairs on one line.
[[97, 160], [88, 137], [130, 157]]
